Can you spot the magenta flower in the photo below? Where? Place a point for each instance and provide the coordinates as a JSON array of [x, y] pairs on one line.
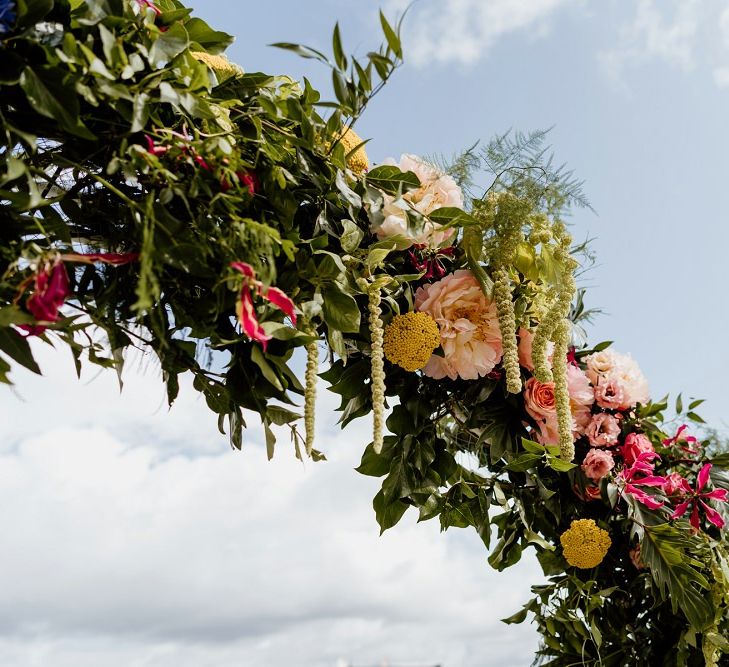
[[50, 292], [630, 482], [680, 438], [245, 310], [113, 258], [153, 148], [698, 498]]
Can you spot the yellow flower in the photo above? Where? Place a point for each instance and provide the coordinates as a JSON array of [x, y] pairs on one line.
[[223, 68], [585, 544], [410, 340], [358, 161]]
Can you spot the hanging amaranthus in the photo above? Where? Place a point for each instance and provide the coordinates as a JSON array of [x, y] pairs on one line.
[[561, 392], [312, 366], [507, 324], [378, 369]]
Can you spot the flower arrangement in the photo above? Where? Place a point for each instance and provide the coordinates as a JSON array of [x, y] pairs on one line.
[[218, 221]]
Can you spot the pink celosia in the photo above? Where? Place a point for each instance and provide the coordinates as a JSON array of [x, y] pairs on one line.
[[699, 498], [634, 445], [245, 310], [468, 323], [603, 430], [598, 463]]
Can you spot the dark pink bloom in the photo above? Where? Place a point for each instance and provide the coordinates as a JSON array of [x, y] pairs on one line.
[[250, 180], [699, 498], [432, 264], [676, 485], [680, 438], [153, 148], [634, 445], [245, 309], [572, 356], [50, 292], [628, 479]]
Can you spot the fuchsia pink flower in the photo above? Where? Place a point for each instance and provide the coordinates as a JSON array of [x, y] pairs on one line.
[[634, 445], [245, 310], [698, 497], [629, 480], [682, 437], [50, 292]]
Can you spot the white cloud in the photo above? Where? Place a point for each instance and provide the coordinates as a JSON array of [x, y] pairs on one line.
[[115, 554], [721, 72], [656, 32], [463, 31]]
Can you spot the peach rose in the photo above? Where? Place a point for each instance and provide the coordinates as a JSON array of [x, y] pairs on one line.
[[468, 323], [603, 430], [597, 463], [634, 445], [539, 399]]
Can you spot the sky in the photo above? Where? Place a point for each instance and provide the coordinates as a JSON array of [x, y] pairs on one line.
[[135, 536]]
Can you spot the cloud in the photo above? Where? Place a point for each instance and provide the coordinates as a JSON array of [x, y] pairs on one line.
[[462, 31], [665, 34], [115, 554]]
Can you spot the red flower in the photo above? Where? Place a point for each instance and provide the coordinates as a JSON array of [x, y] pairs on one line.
[[153, 148], [147, 3], [698, 496], [430, 263], [50, 293], [245, 310], [247, 178], [572, 356], [113, 258], [627, 478]]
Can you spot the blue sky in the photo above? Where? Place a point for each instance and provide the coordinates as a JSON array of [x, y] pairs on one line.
[[139, 538]]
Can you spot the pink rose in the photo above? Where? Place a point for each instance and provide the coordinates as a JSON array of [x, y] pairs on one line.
[[469, 327], [609, 394], [634, 445], [603, 430], [597, 463], [539, 399]]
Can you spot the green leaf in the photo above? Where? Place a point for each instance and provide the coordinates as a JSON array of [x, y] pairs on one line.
[[281, 416], [560, 465], [339, 58], [451, 216], [393, 41], [675, 565], [393, 181], [212, 41], [533, 447], [49, 97], [388, 513], [340, 310], [524, 462], [351, 237], [168, 45], [519, 617], [17, 348]]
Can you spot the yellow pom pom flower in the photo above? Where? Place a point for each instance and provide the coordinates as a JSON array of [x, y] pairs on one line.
[[585, 544], [358, 161], [410, 340], [223, 68]]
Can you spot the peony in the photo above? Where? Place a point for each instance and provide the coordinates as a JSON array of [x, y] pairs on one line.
[[468, 324], [437, 190], [598, 463], [603, 430], [634, 445]]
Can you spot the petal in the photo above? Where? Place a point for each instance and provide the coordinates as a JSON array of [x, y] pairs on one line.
[[653, 480], [248, 319], [245, 269], [694, 520], [641, 496], [114, 258], [281, 301], [703, 476], [713, 516], [717, 494], [680, 509]]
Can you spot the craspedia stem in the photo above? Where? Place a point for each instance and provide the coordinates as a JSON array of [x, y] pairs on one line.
[[312, 367], [378, 370], [507, 324], [561, 392]]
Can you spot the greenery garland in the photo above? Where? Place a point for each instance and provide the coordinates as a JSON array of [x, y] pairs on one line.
[[155, 192]]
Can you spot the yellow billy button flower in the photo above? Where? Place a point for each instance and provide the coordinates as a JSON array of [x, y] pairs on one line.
[[223, 68], [358, 161], [410, 340], [585, 544]]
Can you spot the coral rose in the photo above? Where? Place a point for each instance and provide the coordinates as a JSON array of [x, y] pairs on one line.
[[598, 463], [469, 327], [539, 399]]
